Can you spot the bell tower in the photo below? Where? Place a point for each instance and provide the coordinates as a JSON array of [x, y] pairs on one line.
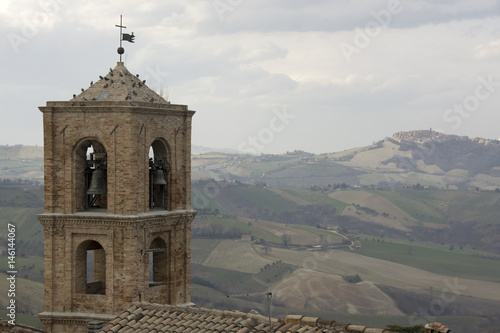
[[117, 216]]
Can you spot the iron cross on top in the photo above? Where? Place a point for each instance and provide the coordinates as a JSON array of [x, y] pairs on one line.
[[127, 37]]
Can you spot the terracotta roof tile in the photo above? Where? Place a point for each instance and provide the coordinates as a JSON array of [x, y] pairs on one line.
[[293, 318], [123, 322], [285, 327], [374, 330], [129, 330], [356, 328], [115, 328], [311, 321], [244, 330], [302, 329], [147, 317], [260, 327], [312, 330]]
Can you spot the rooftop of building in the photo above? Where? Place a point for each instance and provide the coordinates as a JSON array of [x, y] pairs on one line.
[[119, 85], [148, 317]]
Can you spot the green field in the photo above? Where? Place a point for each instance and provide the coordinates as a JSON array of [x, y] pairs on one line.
[[236, 255], [225, 280], [264, 167], [28, 295], [455, 205], [30, 268], [434, 258], [201, 201], [330, 237], [28, 228], [21, 195], [21, 318], [418, 208], [25, 169], [262, 197], [316, 198], [228, 223], [313, 170], [201, 249]]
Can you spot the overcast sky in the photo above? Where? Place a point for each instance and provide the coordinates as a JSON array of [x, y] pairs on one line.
[[265, 76]]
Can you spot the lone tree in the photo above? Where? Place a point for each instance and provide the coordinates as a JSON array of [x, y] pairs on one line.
[[287, 239], [266, 247]]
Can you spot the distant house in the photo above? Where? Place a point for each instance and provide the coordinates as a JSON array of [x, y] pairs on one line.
[[246, 238], [436, 328]]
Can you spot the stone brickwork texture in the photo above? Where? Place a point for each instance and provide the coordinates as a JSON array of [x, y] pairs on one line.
[[122, 233]]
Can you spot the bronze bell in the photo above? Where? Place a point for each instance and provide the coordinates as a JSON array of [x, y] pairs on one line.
[[97, 183], [159, 177]]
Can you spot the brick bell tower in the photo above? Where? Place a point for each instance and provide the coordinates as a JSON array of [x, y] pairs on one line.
[[117, 216]]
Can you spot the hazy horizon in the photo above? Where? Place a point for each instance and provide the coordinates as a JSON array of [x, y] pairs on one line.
[[272, 77]]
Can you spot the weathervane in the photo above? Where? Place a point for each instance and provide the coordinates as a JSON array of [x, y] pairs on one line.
[[127, 37]]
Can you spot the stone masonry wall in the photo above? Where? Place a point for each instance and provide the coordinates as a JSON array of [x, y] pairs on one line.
[[126, 133]]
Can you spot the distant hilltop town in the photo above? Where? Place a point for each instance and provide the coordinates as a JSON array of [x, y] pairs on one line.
[[422, 136]]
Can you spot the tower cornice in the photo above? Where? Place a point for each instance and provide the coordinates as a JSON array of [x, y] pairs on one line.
[[113, 107], [90, 218]]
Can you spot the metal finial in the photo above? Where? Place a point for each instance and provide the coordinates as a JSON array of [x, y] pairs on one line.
[[127, 37], [121, 50]]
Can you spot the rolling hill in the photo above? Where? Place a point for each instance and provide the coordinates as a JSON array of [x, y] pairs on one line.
[[371, 235], [423, 157]]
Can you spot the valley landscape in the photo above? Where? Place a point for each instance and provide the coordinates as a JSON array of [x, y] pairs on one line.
[[401, 232]]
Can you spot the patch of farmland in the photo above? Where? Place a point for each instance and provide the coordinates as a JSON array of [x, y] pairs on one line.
[[298, 236], [237, 256], [201, 249], [406, 178], [395, 218], [385, 272], [307, 289], [372, 158]]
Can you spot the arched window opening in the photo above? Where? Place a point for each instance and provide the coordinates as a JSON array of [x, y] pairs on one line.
[[90, 170], [159, 168], [158, 262], [95, 172], [90, 268]]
